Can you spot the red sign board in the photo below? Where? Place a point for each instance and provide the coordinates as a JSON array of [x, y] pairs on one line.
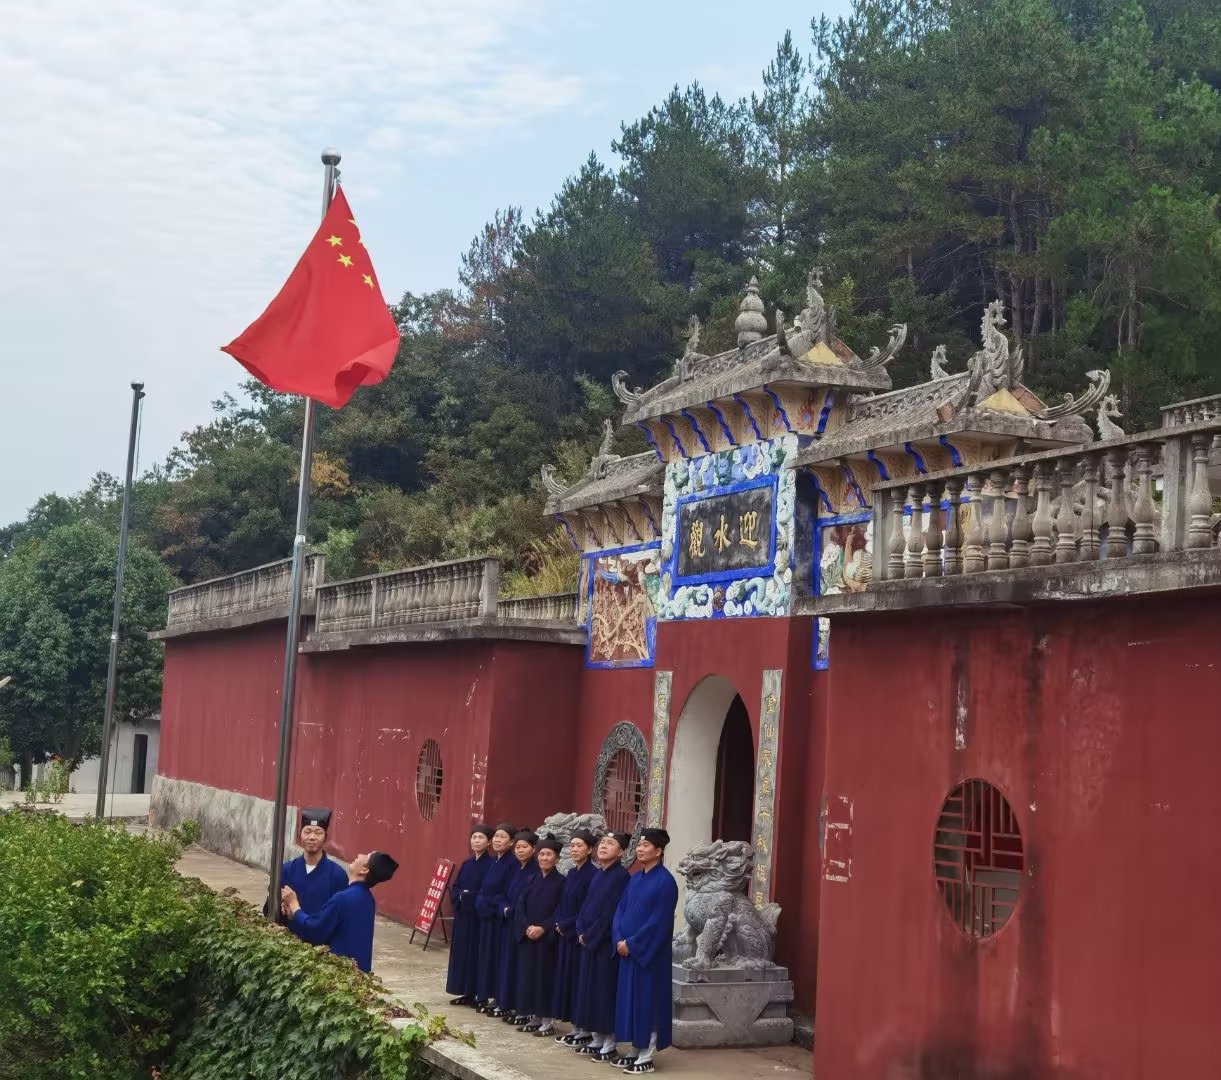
[[432, 899]]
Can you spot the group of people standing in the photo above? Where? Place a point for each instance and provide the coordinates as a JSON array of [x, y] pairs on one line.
[[592, 948]]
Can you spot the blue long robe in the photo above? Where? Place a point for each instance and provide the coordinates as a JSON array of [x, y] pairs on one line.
[[489, 904], [568, 952], [516, 880], [645, 920], [534, 961], [594, 1006], [313, 888], [462, 977], [345, 924]]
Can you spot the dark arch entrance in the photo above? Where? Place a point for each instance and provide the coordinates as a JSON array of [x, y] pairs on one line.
[[733, 801]]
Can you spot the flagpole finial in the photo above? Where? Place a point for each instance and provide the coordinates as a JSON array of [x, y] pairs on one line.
[[330, 156]]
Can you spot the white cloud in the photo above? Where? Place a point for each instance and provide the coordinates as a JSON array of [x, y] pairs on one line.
[[161, 177]]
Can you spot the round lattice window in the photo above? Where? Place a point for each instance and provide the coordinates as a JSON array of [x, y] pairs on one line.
[[622, 792], [428, 779], [977, 858]]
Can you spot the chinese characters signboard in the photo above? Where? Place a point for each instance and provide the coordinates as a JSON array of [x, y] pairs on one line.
[[765, 784], [429, 909], [724, 533]]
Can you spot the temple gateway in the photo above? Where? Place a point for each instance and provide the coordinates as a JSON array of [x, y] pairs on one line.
[[929, 675]]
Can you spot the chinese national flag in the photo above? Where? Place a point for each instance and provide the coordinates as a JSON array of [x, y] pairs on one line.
[[327, 331]]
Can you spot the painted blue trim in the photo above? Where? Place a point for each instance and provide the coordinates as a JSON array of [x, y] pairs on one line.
[[878, 462], [674, 435], [826, 412], [652, 441], [749, 415], [572, 537], [955, 456], [720, 419], [760, 569], [648, 513], [915, 456], [856, 488], [650, 624], [696, 428], [784, 417], [820, 493]]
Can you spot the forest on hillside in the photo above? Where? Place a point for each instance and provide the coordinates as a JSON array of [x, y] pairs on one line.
[[1064, 155]]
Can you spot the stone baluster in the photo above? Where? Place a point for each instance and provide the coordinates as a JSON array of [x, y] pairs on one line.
[[896, 546], [998, 530], [933, 541], [914, 566], [1066, 517], [1144, 542], [1117, 509], [973, 543], [1091, 543], [374, 597], [1022, 529], [1041, 525], [953, 526], [1199, 499]]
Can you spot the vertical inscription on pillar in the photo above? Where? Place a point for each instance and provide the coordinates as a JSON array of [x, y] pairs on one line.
[[658, 747], [765, 784]]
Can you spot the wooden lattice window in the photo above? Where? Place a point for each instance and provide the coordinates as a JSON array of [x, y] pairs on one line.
[[978, 858], [622, 792], [428, 779]]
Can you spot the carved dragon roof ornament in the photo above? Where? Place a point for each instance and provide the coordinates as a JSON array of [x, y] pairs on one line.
[[815, 324], [622, 391], [938, 370], [1100, 383], [603, 458], [995, 370], [881, 357], [550, 483], [685, 364]]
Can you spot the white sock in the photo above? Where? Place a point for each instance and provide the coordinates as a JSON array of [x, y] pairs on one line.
[[578, 1033], [646, 1055], [608, 1042], [546, 1023]]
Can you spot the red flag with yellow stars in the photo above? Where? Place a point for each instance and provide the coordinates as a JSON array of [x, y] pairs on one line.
[[327, 331]]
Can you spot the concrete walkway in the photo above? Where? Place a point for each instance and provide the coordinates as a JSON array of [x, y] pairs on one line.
[[501, 1052], [77, 807]]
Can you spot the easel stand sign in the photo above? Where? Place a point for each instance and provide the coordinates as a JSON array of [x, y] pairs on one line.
[[430, 910]]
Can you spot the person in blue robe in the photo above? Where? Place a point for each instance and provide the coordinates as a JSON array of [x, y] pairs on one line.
[[313, 876], [464, 945], [525, 867], [568, 952], [535, 941], [593, 1007], [345, 923], [489, 905], [643, 932]]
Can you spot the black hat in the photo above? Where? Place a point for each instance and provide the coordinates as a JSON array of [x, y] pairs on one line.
[[586, 836], [381, 868], [657, 837], [550, 843], [506, 828], [319, 816], [526, 835], [487, 830], [623, 839]]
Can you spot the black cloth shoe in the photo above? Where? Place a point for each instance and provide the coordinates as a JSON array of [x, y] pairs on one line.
[[623, 1062], [497, 1012], [465, 999], [543, 1033], [639, 1067], [520, 1021], [574, 1040], [588, 1051], [608, 1055], [532, 1029]]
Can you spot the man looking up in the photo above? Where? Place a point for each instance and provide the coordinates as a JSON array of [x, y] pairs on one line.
[[345, 923], [643, 932]]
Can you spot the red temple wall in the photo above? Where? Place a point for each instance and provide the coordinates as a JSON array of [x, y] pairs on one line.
[[607, 697], [1099, 723]]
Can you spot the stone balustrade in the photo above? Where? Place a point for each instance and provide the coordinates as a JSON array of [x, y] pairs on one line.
[[242, 596], [1192, 412], [1078, 505], [556, 607], [445, 592]]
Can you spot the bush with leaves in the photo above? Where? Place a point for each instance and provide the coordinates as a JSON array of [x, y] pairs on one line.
[[113, 965]]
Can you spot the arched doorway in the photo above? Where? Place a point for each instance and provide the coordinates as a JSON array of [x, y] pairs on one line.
[[712, 770]]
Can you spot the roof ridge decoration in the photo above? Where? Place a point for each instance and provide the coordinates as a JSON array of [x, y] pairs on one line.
[[1100, 383], [937, 369], [684, 366], [996, 369], [751, 324], [815, 325], [599, 466], [623, 392]]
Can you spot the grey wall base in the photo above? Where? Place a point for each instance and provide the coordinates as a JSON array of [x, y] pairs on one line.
[[732, 1007], [231, 824]]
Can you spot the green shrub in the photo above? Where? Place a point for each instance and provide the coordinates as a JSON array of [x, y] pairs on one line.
[[112, 965]]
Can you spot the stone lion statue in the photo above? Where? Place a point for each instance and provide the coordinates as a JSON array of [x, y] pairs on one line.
[[723, 927], [562, 826]]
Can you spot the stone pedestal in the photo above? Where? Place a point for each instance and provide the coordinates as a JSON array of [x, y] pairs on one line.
[[732, 1007]]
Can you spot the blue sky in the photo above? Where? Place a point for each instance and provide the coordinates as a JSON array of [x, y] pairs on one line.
[[163, 172]]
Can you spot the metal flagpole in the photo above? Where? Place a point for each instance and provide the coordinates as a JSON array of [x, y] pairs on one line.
[[330, 158], [112, 667]]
